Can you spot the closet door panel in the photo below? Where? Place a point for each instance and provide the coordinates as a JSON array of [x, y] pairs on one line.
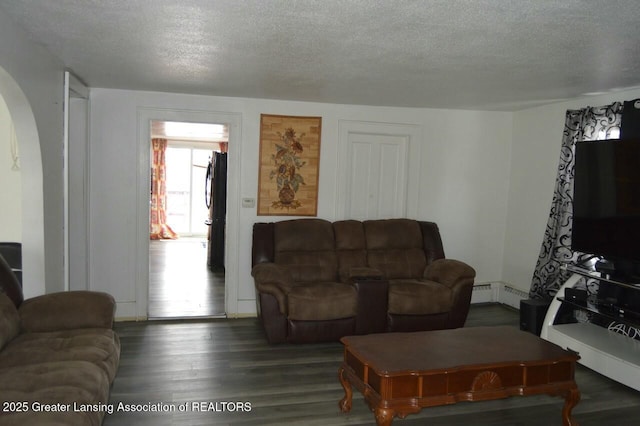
[[376, 188], [358, 189]]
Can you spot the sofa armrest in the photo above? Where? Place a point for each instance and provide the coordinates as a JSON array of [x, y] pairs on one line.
[[67, 311], [373, 299], [373, 290], [459, 277], [274, 280], [450, 272]]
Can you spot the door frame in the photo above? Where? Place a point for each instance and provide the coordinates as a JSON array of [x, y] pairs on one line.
[[233, 121], [75, 137]]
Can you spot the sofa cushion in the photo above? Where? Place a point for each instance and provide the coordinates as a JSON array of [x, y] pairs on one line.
[[350, 247], [9, 320], [394, 264], [418, 297], [67, 311], [322, 301], [62, 383], [307, 248], [386, 234], [303, 235], [349, 235], [98, 346], [395, 247], [309, 266]]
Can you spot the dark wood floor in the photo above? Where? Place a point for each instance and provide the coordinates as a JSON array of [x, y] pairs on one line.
[[180, 284], [229, 360]]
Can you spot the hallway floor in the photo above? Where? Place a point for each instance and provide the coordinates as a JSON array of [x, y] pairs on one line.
[[180, 283]]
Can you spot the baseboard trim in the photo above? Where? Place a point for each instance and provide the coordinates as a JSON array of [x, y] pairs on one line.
[[492, 292], [498, 292], [483, 293]]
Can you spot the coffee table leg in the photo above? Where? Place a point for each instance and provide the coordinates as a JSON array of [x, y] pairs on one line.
[[384, 416], [345, 403], [571, 399]]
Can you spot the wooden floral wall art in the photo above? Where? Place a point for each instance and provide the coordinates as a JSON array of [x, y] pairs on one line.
[[289, 165]]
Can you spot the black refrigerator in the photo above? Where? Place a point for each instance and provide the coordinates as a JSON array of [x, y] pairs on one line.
[[217, 179]]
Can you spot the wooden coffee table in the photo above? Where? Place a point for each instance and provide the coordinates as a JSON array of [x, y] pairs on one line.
[[400, 373]]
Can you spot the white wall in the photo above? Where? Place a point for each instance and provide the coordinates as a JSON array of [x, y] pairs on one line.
[[31, 85], [463, 180], [537, 137], [11, 187]]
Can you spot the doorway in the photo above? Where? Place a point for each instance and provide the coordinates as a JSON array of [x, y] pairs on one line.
[[31, 176], [182, 282], [11, 194]]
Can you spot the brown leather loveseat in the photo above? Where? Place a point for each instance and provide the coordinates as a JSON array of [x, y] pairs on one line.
[[318, 281]]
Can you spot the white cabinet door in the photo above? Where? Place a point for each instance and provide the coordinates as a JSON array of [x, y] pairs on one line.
[[377, 176]]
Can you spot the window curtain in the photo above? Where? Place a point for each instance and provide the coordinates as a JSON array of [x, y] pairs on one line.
[[589, 124], [158, 218]]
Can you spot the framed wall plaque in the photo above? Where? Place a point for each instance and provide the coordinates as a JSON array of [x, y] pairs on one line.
[[289, 165]]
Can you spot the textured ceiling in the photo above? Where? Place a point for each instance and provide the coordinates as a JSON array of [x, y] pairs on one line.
[[469, 54]]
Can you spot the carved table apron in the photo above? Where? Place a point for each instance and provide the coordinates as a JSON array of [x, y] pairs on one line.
[[400, 373]]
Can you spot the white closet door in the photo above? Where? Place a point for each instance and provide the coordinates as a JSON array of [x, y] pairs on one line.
[[377, 180]]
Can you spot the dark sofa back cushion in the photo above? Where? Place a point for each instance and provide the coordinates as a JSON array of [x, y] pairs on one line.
[[9, 320], [262, 246], [351, 246], [9, 283], [395, 247], [307, 248], [432, 241]]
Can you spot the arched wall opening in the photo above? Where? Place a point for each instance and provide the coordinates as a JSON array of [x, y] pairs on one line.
[[24, 122]]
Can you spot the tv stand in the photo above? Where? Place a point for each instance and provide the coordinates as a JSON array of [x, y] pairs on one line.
[[622, 271], [605, 266], [607, 352]]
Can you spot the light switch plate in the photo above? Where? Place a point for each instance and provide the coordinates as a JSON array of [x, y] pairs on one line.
[[248, 202]]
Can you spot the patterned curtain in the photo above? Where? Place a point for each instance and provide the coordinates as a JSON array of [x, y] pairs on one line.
[[158, 220], [587, 124]]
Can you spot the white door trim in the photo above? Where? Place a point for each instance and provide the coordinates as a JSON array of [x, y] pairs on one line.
[[73, 88], [232, 272]]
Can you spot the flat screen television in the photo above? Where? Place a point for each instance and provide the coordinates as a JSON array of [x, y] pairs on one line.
[[606, 201]]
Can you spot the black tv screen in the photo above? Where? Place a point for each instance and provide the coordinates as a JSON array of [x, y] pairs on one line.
[[606, 199]]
